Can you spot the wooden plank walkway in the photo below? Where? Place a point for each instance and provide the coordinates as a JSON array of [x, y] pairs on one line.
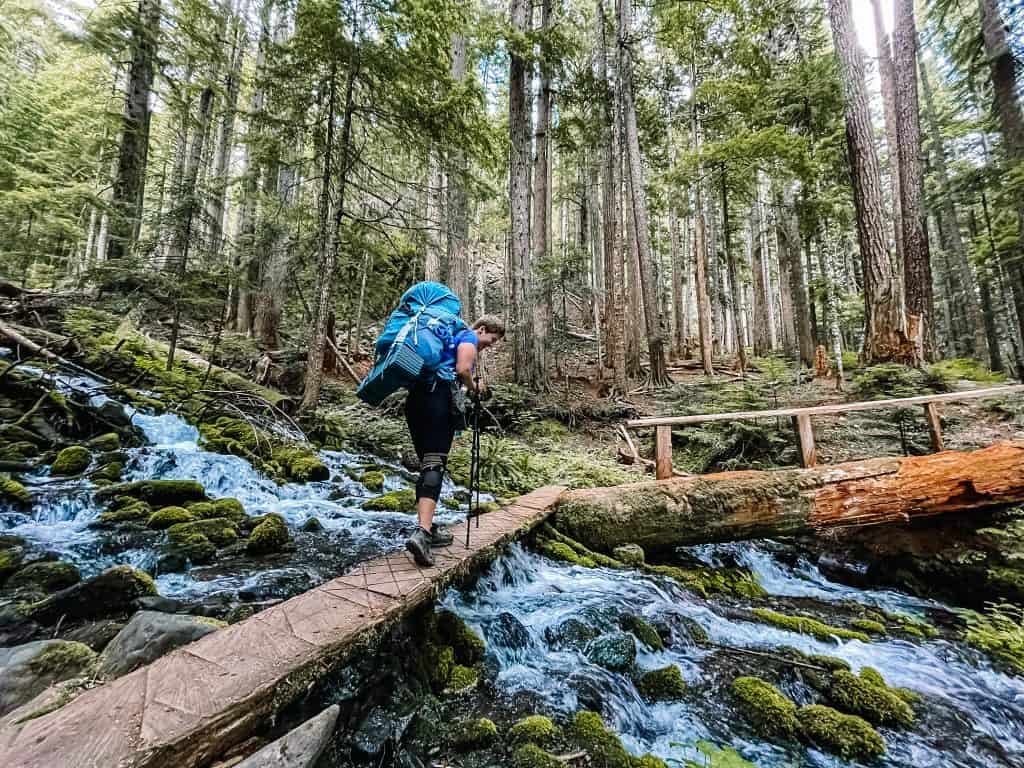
[[188, 707]]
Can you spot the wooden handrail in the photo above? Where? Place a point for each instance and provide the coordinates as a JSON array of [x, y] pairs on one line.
[[818, 410]]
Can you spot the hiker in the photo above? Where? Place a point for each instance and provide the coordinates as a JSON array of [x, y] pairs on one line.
[[435, 411]]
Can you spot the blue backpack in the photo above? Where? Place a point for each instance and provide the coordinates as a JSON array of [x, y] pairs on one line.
[[413, 345]]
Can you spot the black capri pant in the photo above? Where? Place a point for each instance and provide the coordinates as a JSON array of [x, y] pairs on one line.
[[428, 412]]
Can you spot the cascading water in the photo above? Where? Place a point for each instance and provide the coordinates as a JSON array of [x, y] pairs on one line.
[[63, 511], [986, 706]]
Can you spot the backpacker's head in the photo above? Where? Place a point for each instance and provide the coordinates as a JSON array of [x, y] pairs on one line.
[[489, 330]]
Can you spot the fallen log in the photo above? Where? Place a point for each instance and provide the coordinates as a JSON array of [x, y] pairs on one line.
[[730, 506]]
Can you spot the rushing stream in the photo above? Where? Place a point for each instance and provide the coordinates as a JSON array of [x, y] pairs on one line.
[[980, 712]]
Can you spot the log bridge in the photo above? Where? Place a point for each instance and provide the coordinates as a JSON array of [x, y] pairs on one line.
[[801, 418]]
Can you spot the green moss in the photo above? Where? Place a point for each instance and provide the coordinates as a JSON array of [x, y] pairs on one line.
[[106, 443], [808, 626], [10, 561], [50, 575], [462, 679], [230, 508], [218, 530], [642, 631], [999, 632], [556, 550], [374, 481], [830, 663], [203, 510], [300, 464], [437, 662], [71, 460], [394, 501], [108, 473], [130, 511], [168, 516], [603, 746], [738, 582], [664, 684], [770, 713], [62, 657], [467, 645], [870, 698], [535, 729], [571, 551], [629, 554], [160, 493], [964, 369], [195, 548], [532, 756], [711, 756], [870, 626], [14, 492], [475, 734], [271, 535], [848, 736]]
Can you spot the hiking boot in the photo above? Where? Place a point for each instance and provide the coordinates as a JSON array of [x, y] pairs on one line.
[[419, 545], [440, 537]]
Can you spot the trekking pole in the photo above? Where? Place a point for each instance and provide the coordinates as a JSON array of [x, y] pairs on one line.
[[474, 464]]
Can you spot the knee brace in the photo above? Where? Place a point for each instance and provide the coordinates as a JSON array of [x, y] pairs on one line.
[[431, 478]]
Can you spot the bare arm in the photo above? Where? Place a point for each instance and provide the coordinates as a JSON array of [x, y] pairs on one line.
[[465, 357]]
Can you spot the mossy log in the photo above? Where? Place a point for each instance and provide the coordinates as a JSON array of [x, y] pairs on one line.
[[730, 506]]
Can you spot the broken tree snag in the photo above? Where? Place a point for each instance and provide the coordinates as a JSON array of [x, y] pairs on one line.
[[805, 439], [729, 506], [663, 452], [934, 419]]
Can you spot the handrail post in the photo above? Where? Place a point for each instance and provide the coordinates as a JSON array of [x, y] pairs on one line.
[[663, 452], [805, 439], [934, 419]]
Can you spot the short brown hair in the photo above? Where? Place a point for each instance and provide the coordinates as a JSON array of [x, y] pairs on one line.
[[490, 324]]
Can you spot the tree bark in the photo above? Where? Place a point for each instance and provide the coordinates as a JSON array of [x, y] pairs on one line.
[[734, 281], [730, 506], [130, 179], [887, 79], [542, 225], [762, 318], [458, 202], [917, 269], [885, 336], [700, 253]]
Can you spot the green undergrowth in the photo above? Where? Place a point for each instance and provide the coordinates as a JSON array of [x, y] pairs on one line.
[[999, 632]]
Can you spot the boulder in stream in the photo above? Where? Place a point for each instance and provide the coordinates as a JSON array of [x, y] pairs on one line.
[[27, 670], [158, 493], [269, 536], [615, 651], [72, 460], [109, 593], [148, 636], [14, 493], [47, 575]]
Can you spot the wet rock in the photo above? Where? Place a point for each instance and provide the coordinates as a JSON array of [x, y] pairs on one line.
[[27, 670], [148, 636], [848, 736], [393, 501], [312, 525], [412, 463], [768, 711], [108, 473], [168, 516], [474, 734], [111, 592], [157, 493], [218, 530], [571, 633], [383, 726], [664, 684], [114, 413], [535, 729], [14, 493], [72, 460], [161, 604], [453, 631], [506, 631], [96, 634], [373, 480], [10, 561], [299, 748], [46, 575], [105, 443], [629, 554], [615, 651], [643, 631]]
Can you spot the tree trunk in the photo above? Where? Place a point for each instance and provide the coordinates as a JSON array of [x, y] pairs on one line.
[[762, 318], [700, 253], [790, 245], [542, 225], [676, 254], [614, 277], [458, 201], [183, 233], [885, 336], [130, 179], [917, 270], [734, 282], [730, 506], [887, 78]]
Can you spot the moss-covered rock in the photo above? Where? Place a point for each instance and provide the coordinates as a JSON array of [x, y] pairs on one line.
[[106, 443], [168, 516], [48, 575], [474, 734], [615, 651], [870, 698], [130, 510], [72, 460], [535, 729], [218, 530], [738, 582], [642, 630], [373, 480], [848, 736], [437, 662], [301, 464], [532, 756], [808, 626], [467, 645], [665, 684], [14, 492], [462, 678], [270, 536], [1000, 634], [394, 501], [193, 548], [629, 554], [111, 592], [770, 713], [158, 493], [230, 508], [10, 561], [108, 473], [556, 545], [870, 626], [603, 746]]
